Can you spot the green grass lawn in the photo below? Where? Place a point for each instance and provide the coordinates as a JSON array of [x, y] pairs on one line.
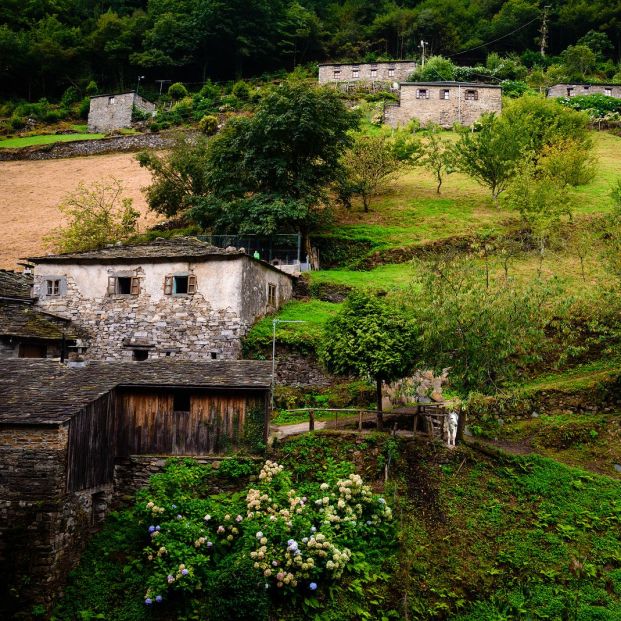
[[29, 141], [412, 213]]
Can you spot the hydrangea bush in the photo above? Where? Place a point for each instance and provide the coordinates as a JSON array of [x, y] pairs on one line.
[[297, 542]]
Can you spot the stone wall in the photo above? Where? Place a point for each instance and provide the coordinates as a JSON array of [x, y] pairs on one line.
[[444, 112], [111, 112], [43, 529], [396, 71], [231, 295], [571, 90], [300, 370], [82, 148]]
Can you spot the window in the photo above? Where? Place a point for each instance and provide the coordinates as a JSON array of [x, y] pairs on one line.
[[180, 284], [337, 74], [586, 87], [181, 401], [471, 95], [123, 285], [570, 91], [391, 72], [444, 93], [111, 100], [271, 294], [140, 354], [373, 72], [608, 91], [214, 355], [53, 287], [355, 72], [422, 93]]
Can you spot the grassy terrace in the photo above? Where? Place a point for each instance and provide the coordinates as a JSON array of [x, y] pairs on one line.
[[30, 141]]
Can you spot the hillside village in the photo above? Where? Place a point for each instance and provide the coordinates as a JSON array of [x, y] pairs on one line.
[[312, 315]]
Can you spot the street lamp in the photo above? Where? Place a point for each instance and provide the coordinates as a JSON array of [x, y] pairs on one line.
[[140, 77], [274, 322]]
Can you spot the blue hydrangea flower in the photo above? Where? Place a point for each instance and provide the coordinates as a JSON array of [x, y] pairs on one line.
[[185, 572], [158, 599], [174, 506], [312, 586], [148, 601], [151, 529], [157, 528], [313, 529], [179, 517]]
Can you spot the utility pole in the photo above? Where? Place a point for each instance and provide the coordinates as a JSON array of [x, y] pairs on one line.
[[544, 30], [422, 45], [162, 82]]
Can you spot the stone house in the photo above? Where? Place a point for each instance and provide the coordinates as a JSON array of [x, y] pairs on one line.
[[108, 113], [26, 331], [389, 72], [67, 431], [443, 103], [571, 90], [169, 298]]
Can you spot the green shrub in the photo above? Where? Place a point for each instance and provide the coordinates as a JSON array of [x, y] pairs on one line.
[[209, 91], [595, 105], [71, 95], [241, 90], [91, 88], [177, 91], [208, 124], [85, 106]]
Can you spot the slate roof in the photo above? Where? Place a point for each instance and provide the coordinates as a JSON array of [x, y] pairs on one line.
[[464, 84], [158, 250], [15, 285], [45, 392], [25, 321]]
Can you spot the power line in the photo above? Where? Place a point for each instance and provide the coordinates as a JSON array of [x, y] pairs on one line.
[[495, 40]]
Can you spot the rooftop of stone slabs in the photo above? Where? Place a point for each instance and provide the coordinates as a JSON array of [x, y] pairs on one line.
[[15, 285], [25, 321], [45, 392]]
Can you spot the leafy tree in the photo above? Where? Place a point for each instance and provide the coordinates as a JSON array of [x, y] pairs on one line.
[[579, 61], [542, 201], [287, 155], [598, 42], [179, 176], [436, 155], [483, 333], [492, 154], [369, 338], [369, 165], [437, 68], [97, 216], [568, 162]]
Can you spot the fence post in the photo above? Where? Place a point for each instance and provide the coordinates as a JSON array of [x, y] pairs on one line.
[[360, 420], [311, 420]]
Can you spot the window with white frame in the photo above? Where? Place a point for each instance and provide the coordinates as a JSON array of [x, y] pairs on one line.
[[337, 74], [180, 284], [471, 94], [391, 72], [445, 93], [373, 72], [111, 100], [355, 72], [608, 91], [53, 286], [422, 93]]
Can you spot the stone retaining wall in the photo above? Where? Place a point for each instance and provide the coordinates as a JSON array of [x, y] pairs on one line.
[[81, 148]]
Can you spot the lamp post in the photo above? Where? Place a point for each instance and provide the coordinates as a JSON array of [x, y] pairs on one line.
[[140, 77], [274, 323]]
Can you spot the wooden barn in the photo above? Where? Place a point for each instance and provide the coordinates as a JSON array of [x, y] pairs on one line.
[[64, 429]]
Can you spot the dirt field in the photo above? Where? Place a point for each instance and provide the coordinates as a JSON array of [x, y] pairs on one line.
[[31, 190]]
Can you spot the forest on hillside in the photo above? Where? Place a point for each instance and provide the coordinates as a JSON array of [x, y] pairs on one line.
[[47, 46]]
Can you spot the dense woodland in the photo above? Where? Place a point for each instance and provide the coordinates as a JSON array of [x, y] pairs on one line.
[[48, 45]]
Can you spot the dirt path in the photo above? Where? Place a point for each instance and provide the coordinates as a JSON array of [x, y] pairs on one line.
[[31, 190]]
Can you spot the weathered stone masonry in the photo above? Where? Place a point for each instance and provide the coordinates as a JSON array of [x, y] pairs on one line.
[[443, 103], [111, 112], [390, 71]]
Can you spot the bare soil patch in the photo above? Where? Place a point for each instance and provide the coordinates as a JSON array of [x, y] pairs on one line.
[[30, 192]]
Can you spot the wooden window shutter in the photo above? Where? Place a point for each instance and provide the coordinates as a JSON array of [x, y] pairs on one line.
[[135, 285], [168, 285], [111, 285], [191, 284]]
